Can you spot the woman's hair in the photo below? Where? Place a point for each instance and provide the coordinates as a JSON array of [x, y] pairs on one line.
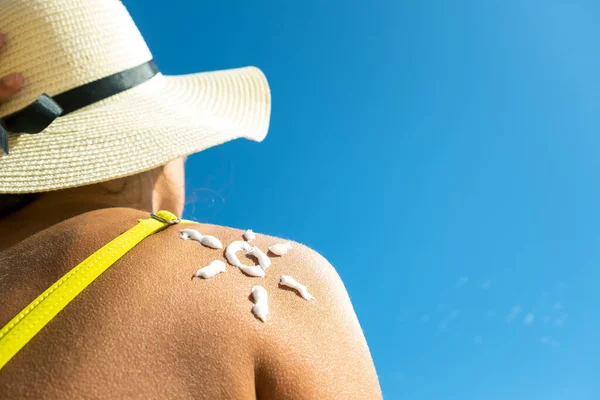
[[9, 203], [135, 188]]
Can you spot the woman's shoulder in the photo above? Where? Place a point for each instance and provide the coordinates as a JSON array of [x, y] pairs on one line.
[[200, 334], [311, 348], [305, 349]]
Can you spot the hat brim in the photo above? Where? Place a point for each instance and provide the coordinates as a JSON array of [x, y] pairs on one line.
[[162, 119]]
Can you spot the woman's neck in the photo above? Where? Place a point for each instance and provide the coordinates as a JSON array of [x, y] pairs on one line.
[[161, 188], [54, 207]]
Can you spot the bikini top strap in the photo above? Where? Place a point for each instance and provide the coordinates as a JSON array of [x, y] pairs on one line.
[[26, 324]]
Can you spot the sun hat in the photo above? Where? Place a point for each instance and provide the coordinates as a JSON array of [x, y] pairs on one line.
[[95, 107]]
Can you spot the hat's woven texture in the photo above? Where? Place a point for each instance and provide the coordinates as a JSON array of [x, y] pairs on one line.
[[61, 44]]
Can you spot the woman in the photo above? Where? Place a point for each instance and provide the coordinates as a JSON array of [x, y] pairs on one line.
[[83, 167]]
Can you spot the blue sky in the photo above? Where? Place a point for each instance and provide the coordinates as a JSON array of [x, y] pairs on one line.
[[452, 146]]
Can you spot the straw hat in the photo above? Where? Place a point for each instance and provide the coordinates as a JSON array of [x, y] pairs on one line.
[[94, 106]]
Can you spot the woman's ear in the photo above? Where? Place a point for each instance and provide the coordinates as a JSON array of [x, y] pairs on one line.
[[114, 186], [134, 191]]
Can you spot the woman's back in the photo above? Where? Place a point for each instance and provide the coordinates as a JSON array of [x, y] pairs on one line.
[[146, 329]]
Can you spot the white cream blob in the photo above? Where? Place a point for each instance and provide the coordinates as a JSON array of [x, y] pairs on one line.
[[290, 282], [230, 254], [211, 270], [206, 240], [280, 248], [192, 234], [261, 305], [253, 271], [263, 260], [249, 235], [212, 242]]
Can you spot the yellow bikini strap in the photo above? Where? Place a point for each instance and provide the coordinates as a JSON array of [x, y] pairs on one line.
[[22, 328]]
